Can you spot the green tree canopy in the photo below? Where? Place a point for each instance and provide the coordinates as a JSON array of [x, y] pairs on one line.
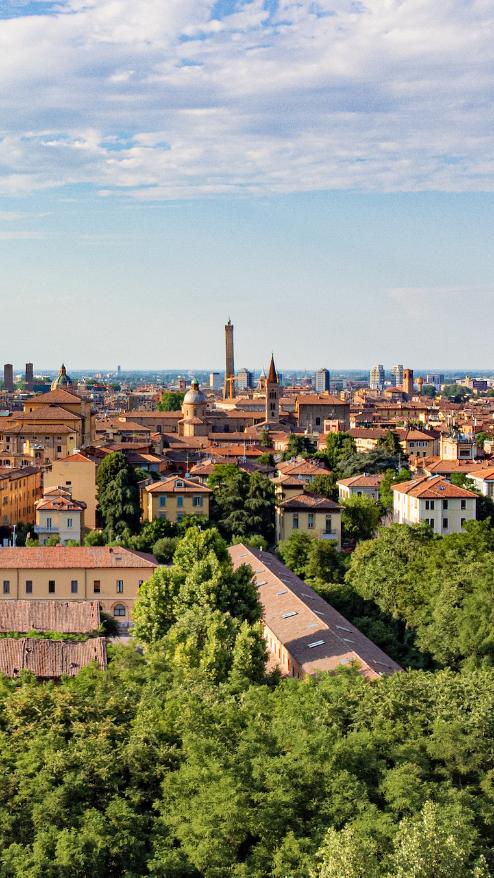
[[171, 401], [118, 494], [360, 517]]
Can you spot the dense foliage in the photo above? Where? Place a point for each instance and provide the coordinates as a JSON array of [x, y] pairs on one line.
[[118, 494], [242, 504], [171, 401]]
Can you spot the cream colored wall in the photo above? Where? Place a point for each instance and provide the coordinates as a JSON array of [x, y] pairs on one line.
[[153, 510], [82, 477], [344, 492], [60, 526], [108, 596], [284, 525], [412, 510]]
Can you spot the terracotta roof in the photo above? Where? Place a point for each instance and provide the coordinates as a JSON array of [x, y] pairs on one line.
[[272, 376], [68, 617], [431, 488], [49, 412], [315, 399], [303, 468], [58, 397], [362, 481], [70, 557], [310, 501], [486, 474], [169, 486], [313, 632], [446, 467], [59, 503], [14, 426], [49, 659], [76, 458], [19, 473], [368, 432]]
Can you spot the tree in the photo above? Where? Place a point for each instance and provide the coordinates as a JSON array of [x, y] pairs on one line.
[[154, 610], [347, 854], [339, 446], [360, 517], [95, 538], [390, 444], [324, 485], [265, 437], [295, 551], [324, 563], [242, 504], [171, 401], [118, 494], [429, 390], [485, 505], [376, 461], [391, 477], [298, 446], [456, 392], [436, 843], [164, 549]]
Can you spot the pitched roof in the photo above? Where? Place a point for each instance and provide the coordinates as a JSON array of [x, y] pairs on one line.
[[272, 376], [362, 481], [69, 617], [432, 488], [56, 502], [49, 659], [77, 457], [302, 468], [48, 412], [184, 486], [322, 399], [70, 557], [312, 502], [311, 630], [13, 426], [58, 397]]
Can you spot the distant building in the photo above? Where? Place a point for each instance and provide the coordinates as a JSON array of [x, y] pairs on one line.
[[29, 377], [322, 381], [8, 377], [215, 380], [435, 501], [408, 382], [311, 514], [57, 514], [229, 386], [436, 379], [397, 375], [376, 378], [174, 498], [20, 488], [245, 379], [360, 486]]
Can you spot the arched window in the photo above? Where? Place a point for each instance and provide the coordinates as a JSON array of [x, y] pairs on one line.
[[119, 610]]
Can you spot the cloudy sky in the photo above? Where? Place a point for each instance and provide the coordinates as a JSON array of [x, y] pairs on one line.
[[320, 170]]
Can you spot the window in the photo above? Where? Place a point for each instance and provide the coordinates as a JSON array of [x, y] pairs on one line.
[[6, 586], [69, 522], [463, 504], [318, 422], [59, 448], [119, 586], [162, 500], [310, 520], [445, 504], [97, 586], [51, 586], [119, 610], [295, 521], [328, 524], [48, 523], [68, 483], [29, 586], [463, 520], [74, 586], [445, 523], [180, 515], [179, 484], [196, 501], [180, 501]]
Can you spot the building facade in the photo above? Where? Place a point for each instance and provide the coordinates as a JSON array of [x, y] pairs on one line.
[[434, 501], [175, 498], [311, 514], [78, 474], [376, 377], [322, 381], [19, 491]]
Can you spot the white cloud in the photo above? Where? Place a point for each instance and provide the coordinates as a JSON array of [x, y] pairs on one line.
[[161, 100]]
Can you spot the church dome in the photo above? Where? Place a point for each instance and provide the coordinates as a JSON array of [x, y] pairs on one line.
[[194, 395], [62, 379]]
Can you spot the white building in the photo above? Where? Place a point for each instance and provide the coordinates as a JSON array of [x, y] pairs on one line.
[[435, 501], [484, 481], [360, 486], [397, 375], [376, 378], [322, 381], [57, 514]]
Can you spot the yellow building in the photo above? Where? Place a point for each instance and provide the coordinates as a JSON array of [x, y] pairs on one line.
[[77, 472], [311, 514], [19, 491], [110, 575], [57, 514], [174, 498], [52, 426]]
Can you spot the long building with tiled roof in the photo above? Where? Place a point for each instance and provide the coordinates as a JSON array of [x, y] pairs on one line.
[[304, 634]]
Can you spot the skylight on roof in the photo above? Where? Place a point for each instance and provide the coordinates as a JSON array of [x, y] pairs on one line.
[[347, 640], [290, 613], [315, 643], [342, 628]]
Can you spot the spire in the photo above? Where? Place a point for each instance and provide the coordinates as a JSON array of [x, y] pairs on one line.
[[272, 376]]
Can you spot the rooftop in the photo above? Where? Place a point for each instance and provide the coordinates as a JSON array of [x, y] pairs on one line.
[[70, 557], [69, 617], [49, 659]]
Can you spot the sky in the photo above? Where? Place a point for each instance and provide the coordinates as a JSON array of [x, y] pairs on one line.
[[320, 171]]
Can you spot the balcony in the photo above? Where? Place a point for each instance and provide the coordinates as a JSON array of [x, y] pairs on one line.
[[329, 535], [43, 529]]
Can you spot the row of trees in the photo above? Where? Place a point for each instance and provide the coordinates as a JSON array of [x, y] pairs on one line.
[[190, 761]]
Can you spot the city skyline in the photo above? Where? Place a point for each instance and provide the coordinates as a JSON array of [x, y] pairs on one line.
[[153, 182]]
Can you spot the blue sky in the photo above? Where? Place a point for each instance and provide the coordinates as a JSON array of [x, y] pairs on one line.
[[320, 171]]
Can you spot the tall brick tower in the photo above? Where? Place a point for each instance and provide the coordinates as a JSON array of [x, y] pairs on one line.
[[273, 393], [229, 387], [408, 382], [29, 376]]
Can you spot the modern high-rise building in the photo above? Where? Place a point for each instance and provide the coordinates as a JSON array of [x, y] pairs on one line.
[[214, 380], [229, 389], [322, 380], [397, 375], [376, 379], [8, 377], [435, 378], [245, 379], [29, 376]]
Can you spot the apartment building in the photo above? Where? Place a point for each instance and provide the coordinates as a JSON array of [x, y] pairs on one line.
[[308, 513], [174, 498], [434, 501], [77, 472], [20, 489]]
